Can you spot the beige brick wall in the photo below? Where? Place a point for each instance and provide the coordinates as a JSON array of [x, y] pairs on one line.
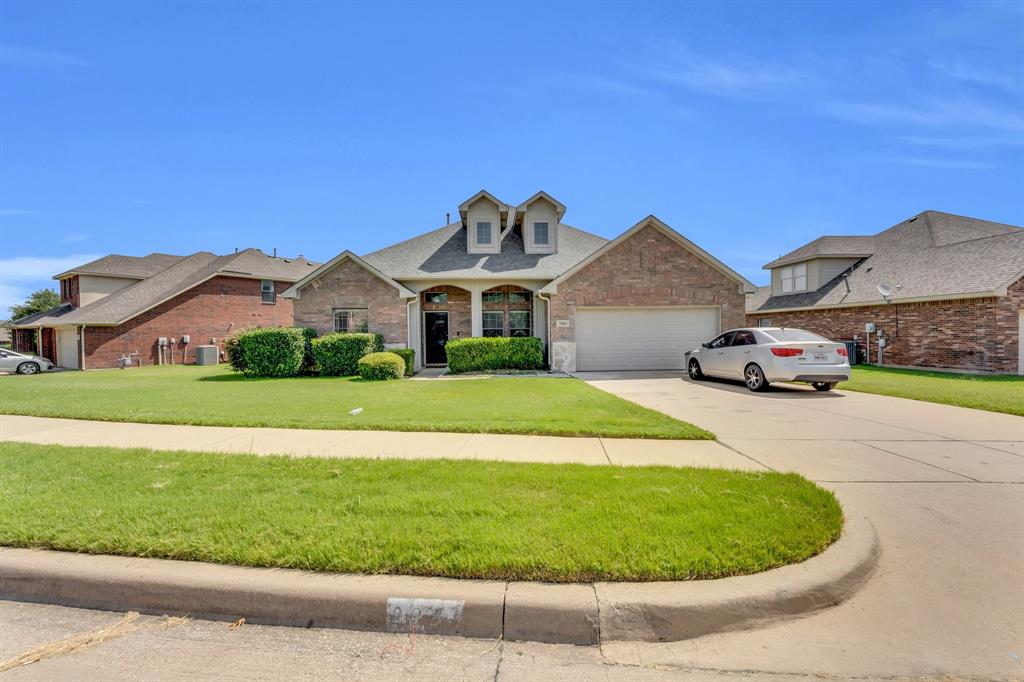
[[349, 285], [648, 269]]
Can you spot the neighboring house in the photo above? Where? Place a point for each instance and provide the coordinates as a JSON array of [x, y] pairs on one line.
[[956, 292], [5, 334], [119, 305], [636, 302]]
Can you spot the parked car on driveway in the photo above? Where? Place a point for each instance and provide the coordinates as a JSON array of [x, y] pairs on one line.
[[762, 355], [13, 361]]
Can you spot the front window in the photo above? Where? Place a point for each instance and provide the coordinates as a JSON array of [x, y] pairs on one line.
[[519, 296], [493, 297], [518, 323], [722, 341], [439, 297], [494, 323], [764, 322], [794, 278], [351, 320], [267, 291], [483, 233], [541, 234]]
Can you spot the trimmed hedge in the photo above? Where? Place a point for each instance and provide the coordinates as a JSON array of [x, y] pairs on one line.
[[268, 352], [407, 354], [381, 366], [338, 354], [494, 352]]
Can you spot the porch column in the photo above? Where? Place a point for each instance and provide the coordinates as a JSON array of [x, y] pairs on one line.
[[476, 308]]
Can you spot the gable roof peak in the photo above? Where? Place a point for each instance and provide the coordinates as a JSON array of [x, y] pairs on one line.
[[559, 206]]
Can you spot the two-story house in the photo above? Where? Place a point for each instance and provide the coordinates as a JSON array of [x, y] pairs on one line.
[[941, 290], [638, 301], [123, 305]]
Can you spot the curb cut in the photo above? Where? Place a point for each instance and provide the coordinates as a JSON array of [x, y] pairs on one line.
[[543, 612]]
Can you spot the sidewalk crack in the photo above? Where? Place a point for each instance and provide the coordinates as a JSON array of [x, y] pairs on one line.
[[605, 450]]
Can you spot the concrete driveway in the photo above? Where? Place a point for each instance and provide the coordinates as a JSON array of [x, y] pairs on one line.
[[943, 487]]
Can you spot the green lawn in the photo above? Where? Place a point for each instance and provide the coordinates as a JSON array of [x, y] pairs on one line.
[[993, 393], [216, 396], [469, 519]]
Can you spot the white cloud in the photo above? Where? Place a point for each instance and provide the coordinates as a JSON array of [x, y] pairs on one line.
[[959, 164], [725, 77], [13, 55], [978, 76], [966, 141], [932, 113], [21, 275]]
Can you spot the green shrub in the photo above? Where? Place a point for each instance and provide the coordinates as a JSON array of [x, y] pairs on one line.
[[337, 354], [407, 354], [272, 351], [234, 352], [494, 352], [308, 361], [381, 366]]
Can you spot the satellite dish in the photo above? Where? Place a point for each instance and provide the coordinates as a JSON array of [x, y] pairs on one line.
[[885, 291]]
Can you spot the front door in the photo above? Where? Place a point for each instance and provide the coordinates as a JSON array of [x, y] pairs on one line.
[[435, 326]]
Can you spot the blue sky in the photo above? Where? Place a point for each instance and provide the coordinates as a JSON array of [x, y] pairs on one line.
[[314, 128]]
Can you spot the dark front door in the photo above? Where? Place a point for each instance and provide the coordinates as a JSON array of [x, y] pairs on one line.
[[436, 329]]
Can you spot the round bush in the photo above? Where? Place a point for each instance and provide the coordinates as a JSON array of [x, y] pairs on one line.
[[268, 352], [381, 366], [337, 354]]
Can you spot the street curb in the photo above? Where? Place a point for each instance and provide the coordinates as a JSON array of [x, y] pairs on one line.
[[573, 614]]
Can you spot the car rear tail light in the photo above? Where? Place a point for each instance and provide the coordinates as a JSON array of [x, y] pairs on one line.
[[787, 352], [842, 351]]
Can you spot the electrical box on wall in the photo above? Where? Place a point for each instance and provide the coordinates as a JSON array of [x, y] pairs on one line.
[[185, 338], [869, 327], [162, 341]]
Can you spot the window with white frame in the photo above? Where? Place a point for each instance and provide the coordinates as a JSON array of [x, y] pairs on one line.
[[764, 322], [541, 234], [794, 278], [494, 323], [483, 233], [351, 320], [267, 291]]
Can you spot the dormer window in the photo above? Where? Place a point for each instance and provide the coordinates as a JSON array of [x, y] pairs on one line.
[[793, 278], [541, 234], [483, 233]]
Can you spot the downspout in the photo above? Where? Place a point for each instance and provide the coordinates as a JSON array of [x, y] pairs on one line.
[[81, 347], [547, 314]]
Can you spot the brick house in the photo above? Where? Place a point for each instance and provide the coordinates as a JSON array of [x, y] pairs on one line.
[[123, 305], [954, 293], [638, 301]]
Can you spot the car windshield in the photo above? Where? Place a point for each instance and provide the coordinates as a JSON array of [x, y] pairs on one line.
[[794, 335]]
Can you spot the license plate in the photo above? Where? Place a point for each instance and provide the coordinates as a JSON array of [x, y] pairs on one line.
[[821, 356]]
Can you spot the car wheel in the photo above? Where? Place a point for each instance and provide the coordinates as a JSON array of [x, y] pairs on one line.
[[753, 377], [28, 368], [824, 385], [693, 369]]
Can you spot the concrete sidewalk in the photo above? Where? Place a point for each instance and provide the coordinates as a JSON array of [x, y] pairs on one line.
[[395, 444]]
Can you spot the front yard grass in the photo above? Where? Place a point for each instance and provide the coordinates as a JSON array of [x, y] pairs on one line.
[[995, 393], [465, 519], [216, 396]]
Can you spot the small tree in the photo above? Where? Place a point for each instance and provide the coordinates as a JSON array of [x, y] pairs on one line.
[[40, 301]]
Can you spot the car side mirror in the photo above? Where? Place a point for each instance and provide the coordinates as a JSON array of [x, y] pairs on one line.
[[705, 345]]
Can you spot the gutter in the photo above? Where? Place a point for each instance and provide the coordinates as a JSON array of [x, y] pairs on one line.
[[547, 314], [866, 304]]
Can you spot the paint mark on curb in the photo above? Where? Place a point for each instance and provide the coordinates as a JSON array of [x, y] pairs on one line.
[[423, 615]]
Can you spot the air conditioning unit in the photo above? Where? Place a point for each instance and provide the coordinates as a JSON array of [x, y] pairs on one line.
[[207, 355]]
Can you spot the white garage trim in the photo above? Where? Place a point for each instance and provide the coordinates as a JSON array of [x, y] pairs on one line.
[[641, 338]]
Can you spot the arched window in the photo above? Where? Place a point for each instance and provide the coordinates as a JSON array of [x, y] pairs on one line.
[[507, 311]]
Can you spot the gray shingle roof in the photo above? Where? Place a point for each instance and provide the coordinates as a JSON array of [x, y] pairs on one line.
[[34, 318], [182, 275], [116, 265], [930, 255], [442, 253], [828, 246]]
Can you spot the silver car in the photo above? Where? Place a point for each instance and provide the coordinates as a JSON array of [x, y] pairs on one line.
[[13, 361], [762, 355]]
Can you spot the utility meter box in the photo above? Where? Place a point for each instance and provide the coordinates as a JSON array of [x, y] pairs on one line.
[[185, 338], [869, 327], [207, 355], [162, 341]]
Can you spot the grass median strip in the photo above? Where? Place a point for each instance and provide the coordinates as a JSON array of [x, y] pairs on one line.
[[465, 519], [214, 396], [995, 393]]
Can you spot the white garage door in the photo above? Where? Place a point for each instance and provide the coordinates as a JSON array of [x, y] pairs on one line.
[[640, 338]]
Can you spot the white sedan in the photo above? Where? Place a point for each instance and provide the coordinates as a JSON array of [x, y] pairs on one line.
[[762, 355]]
